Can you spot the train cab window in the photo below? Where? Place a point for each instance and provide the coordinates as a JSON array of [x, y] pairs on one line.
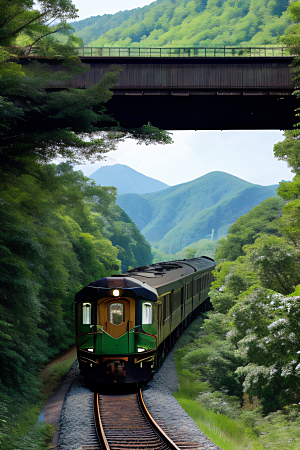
[[116, 313], [147, 314], [86, 313]]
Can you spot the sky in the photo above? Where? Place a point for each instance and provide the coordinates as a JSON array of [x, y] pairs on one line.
[[245, 154], [88, 8]]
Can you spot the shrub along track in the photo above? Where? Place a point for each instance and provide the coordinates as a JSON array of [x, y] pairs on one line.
[[124, 423]]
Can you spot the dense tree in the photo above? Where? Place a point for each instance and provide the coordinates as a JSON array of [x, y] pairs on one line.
[[190, 23], [51, 122], [261, 219], [266, 326], [52, 244]]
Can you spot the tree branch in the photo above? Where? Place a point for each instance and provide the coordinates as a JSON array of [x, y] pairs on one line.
[[25, 25], [41, 37]]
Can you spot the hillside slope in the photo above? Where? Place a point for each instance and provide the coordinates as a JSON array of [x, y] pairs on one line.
[[190, 23], [126, 180], [180, 215]]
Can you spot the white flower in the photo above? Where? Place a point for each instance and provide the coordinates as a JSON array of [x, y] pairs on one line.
[[278, 323]]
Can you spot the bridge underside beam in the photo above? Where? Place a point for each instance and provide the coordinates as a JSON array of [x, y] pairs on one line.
[[204, 110]]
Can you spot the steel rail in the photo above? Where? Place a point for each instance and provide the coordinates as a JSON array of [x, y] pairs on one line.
[[140, 432], [98, 424], [154, 424]]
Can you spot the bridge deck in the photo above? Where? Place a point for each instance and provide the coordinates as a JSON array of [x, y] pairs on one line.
[[199, 92]]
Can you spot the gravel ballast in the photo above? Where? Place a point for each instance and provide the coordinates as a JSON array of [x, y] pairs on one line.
[[168, 413], [76, 422], [77, 426]]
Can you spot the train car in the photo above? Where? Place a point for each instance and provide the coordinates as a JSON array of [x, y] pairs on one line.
[[125, 324]]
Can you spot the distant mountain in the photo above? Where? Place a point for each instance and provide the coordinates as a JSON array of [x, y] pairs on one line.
[[126, 180], [186, 23], [180, 215]]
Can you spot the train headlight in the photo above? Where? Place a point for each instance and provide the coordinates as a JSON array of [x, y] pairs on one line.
[[141, 349], [90, 349], [116, 293]]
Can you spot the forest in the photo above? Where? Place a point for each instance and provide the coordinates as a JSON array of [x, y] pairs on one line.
[[189, 23], [58, 229]]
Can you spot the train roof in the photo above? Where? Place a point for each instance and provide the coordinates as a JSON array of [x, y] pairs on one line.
[[144, 281], [139, 288], [164, 273]]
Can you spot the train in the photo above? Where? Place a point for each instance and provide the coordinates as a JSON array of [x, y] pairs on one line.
[[126, 324]]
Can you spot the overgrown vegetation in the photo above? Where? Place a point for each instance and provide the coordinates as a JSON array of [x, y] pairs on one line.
[[242, 363], [244, 358], [189, 23], [58, 229], [211, 391], [38, 118]]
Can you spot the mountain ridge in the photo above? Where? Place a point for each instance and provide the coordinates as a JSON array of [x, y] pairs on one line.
[[180, 215], [126, 179]]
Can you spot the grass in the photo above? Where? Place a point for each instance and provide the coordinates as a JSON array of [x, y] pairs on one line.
[[22, 430], [220, 416], [227, 433], [55, 371]]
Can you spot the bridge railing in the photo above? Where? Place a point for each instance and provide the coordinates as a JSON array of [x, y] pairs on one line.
[[195, 52]]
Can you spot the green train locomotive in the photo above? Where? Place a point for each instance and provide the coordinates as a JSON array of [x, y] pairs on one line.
[[125, 324]]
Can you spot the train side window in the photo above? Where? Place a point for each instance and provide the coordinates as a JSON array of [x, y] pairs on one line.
[[166, 306], [86, 313], [147, 314], [177, 299], [182, 294], [195, 287], [116, 313]]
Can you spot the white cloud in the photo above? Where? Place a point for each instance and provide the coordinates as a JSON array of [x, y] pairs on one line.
[[245, 154]]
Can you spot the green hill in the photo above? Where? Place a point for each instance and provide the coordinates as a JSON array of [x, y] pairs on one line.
[[189, 23], [126, 180], [180, 215]]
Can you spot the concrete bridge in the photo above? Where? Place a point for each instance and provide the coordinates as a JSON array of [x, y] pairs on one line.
[[198, 88]]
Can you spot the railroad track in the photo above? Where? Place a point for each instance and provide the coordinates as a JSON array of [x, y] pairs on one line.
[[124, 423]]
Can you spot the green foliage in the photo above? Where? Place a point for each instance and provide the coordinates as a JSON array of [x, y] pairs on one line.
[[55, 231], [261, 219], [262, 334], [190, 252], [18, 16], [39, 117], [198, 362], [256, 293], [266, 326], [288, 150], [40, 436], [179, 216], [133, 249], [205, 247], [185, 23], [234, 421], [276, 263]]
